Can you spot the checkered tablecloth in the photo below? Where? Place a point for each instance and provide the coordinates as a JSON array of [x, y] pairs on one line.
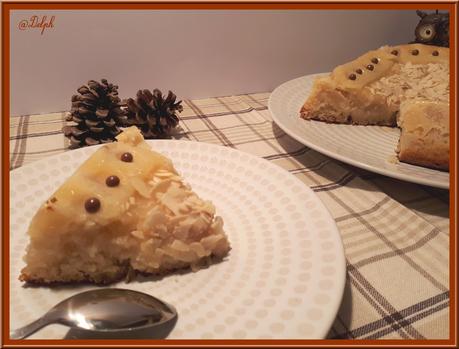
[[395, 234]]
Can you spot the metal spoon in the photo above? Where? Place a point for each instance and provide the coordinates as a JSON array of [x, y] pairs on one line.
[[107, 313]]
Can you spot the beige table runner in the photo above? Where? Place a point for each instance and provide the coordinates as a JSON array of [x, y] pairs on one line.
[[395, 234]]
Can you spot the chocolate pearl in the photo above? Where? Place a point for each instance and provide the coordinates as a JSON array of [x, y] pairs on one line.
[[126, 157], [112, 181], [415, 52], [92, 205], [370, 67], [359, 71], [375, 60], [435, 53], [352, 77], [395, 52]]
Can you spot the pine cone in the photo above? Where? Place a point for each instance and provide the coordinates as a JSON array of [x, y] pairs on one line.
[[98, 115], [153, 114]]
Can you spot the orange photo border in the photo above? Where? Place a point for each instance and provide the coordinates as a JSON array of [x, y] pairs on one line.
[[451, 6]]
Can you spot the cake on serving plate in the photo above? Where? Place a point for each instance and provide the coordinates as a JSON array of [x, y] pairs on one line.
[[124, 210], [405, 86]]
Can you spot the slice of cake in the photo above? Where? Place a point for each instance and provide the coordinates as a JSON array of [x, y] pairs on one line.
[[424, 138], [124, 210], [372, 90]]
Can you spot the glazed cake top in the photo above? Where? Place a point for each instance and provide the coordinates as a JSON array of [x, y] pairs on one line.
[[376, 64]]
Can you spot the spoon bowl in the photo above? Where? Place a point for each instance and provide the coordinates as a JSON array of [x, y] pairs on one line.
[[108, 313]]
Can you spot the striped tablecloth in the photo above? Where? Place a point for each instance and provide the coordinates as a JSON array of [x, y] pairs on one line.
[[395, 234]]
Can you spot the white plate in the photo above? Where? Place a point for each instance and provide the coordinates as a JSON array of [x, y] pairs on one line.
[[369, 147], [284, 277]]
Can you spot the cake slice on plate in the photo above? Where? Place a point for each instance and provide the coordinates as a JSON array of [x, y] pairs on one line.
[[374, 89], [424, 138], [124, 210]]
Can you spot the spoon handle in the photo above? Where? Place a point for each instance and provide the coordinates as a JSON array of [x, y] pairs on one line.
[[29, 329]]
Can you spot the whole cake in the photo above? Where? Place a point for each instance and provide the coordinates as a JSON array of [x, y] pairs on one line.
[[124, 210], [405, 86]]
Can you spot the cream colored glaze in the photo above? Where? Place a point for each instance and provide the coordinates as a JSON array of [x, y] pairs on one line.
[[386, 61]]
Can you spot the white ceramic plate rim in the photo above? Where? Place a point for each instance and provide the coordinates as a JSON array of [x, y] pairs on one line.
[[292, 132]]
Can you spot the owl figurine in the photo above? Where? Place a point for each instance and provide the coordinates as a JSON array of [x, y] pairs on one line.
[[433, 29]]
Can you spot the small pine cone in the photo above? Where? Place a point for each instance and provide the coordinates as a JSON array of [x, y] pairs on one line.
[[153, 114], [98, 115]]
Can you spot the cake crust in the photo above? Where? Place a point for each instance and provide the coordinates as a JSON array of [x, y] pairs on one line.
[[424, 138], [126, 273]]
